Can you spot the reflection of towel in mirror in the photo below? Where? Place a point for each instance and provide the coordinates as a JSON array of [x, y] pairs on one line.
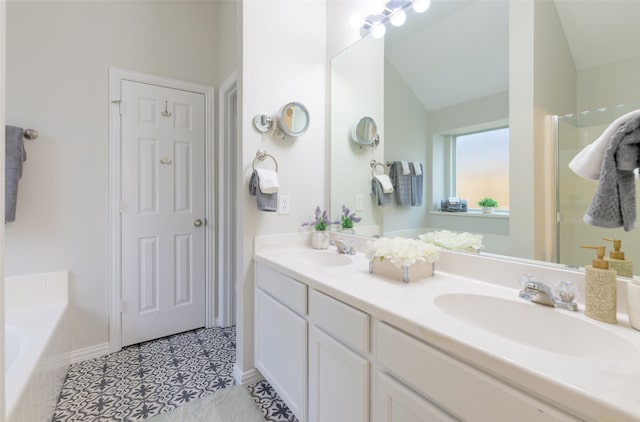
[[614, 203], [265, 201], [588, 162], [384, 180], [268, 180], [405, 168], [14, 156], [378, 191], [401, 183], [416, 184]]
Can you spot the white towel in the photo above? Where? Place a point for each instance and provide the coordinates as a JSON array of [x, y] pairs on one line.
[[588, 161], [405, 168], [417, 168], [268, 181], [384, 180]]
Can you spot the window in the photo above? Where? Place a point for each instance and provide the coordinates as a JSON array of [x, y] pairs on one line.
[[480, 166]]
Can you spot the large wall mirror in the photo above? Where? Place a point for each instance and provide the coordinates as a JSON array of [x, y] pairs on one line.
[[538, 68]]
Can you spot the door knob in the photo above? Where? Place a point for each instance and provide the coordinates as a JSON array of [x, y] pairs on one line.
[[197, 222]]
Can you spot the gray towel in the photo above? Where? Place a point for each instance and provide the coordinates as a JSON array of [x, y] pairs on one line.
[[416, 185], [266, 201], [382, 198], [14, 156], [401, 183], [614, 203]]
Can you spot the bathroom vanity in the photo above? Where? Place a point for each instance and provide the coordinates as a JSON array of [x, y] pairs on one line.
[[340, 344]]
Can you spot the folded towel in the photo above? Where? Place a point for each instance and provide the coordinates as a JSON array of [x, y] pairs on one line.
[[417, 168], [268, 181], [377, 190], [384, 180], [614, 203], [14, 156], [401, 183], [416, 184], [405, 167], [265, 201], [588, 161]]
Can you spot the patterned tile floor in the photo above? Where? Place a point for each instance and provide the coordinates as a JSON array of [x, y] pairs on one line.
[[150, 378]]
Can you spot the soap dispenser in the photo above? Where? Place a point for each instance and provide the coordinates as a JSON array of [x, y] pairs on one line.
[[624, 267], [600, 289]]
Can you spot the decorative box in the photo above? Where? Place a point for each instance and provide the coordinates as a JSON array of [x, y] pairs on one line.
[[385, 268]]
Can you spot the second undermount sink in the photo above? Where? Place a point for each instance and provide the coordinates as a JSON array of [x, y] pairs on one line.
[[323, 258], [537, 326]]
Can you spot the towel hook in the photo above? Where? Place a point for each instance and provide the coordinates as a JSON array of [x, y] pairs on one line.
[[262, 155], [30, 134]]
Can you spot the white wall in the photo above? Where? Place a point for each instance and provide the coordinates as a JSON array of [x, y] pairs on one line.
[[405, 138], [354, 95], [283, 59], [57, 59], [2, 121]]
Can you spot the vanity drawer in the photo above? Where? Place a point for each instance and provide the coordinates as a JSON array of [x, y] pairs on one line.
[[344, 322], [288, 291], [461, 390]]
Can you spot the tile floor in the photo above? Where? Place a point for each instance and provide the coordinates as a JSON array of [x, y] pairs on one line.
[[150, 378]]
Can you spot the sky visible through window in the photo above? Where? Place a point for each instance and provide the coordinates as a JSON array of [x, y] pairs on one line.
[[482, 167]]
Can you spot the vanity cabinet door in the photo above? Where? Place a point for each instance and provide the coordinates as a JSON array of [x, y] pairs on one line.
[[281, 351], [338, 381], [396, 403]]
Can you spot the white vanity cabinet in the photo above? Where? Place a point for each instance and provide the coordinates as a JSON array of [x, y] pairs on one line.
[[457, 388], [281, 336], [395, 402], [338, 365]]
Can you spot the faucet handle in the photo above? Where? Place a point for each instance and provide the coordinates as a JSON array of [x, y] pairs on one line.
[[566, 291], [526, 279]]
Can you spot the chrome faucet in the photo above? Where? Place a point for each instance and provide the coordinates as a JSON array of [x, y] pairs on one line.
[[538, 292], [343, 247]]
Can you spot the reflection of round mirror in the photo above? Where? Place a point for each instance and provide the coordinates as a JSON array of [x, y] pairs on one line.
[[293, 119], [365, 131]]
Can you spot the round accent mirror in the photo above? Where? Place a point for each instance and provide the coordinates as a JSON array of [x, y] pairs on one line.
[[293, 119], [365, 132]]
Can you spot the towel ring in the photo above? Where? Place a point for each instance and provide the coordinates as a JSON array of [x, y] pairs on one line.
[[262, 155], [375, 164]]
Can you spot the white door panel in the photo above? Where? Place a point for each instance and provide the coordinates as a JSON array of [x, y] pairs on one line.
[[163, 194]]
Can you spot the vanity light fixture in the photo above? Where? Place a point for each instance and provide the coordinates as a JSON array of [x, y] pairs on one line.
[[381, 12]]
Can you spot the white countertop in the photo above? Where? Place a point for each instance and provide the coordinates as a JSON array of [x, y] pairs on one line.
[[581, 380]]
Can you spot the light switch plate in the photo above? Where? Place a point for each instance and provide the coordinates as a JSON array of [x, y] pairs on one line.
[[358, 206]]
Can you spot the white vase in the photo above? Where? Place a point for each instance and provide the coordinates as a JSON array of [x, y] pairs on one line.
[[487, 210], [320, 239]]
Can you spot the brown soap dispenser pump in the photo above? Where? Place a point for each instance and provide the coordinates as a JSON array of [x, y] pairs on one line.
[[600, 289], [624, 267]]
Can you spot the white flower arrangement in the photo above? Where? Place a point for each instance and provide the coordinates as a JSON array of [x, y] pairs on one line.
[[457, 241], [402, 252]]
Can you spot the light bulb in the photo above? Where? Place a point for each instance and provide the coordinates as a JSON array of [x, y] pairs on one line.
[[376, 7], [378, 31], [398, 18], [356, 21], [421, 6]]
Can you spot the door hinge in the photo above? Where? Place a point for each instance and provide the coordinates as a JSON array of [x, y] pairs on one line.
[[119, 102], [121, 305], [121, 207]]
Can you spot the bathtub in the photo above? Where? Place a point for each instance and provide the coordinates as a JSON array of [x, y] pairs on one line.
[[36, 356]]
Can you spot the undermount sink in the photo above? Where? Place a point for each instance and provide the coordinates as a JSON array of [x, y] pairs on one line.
[[537, 326], [323, 258]]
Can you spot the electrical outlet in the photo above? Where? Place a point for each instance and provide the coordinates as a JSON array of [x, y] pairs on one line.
[[284, 206], [358, 206]]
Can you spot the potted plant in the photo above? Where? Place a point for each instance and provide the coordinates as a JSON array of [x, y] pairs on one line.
[[348, 219], [488, 205], [321, 222]]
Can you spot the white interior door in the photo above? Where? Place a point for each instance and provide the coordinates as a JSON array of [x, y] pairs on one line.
[[163, 211]]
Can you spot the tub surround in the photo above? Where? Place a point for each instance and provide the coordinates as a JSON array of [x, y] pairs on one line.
[[578, 377], [37, 315]]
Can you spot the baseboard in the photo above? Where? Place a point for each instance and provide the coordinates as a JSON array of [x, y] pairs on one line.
[[248, 377], [87, 353]]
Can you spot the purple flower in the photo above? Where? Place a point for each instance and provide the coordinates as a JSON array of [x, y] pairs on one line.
[[348, 218], [321, 220]]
